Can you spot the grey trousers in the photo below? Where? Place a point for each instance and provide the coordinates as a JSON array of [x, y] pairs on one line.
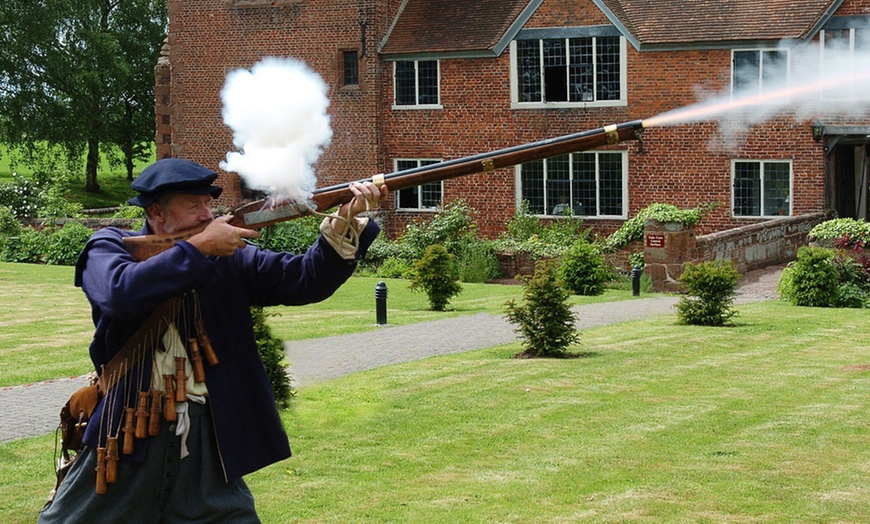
[[164, 488]]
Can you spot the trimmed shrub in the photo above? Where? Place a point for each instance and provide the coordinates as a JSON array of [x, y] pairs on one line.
[[545, 320], [271, 349], [65, 244], [395, 267], [9, 225], [583, 270], [831, 230], [452, 227], [710, 287], [436, 275], [811, 279], [292, 236], [476, 262], [28, 246]]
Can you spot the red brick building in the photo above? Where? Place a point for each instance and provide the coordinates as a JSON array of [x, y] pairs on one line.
[[415, 81]]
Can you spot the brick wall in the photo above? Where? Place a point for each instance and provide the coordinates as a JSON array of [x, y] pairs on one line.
[[686, 166], [209, 38]]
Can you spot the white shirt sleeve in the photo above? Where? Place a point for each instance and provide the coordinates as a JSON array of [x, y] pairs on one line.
[[348, 244]]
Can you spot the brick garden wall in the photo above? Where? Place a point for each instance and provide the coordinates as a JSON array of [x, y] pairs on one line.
[[669, 247]]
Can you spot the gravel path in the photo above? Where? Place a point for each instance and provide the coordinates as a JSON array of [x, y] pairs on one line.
[[33, 409]]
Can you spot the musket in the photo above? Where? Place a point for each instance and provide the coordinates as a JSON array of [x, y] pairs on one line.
[[258, 214]]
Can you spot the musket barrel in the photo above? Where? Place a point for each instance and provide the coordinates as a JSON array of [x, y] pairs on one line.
[[254, 215], [550, 147]]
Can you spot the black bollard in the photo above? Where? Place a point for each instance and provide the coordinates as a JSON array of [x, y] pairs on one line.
[[635, 280], [381, 303]]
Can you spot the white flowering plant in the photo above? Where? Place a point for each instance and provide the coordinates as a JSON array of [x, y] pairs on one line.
[[22, 196]]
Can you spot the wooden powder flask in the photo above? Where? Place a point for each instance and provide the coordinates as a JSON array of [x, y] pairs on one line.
[[112, 441], [112, 460], [102, 487], [154, 419], [129, 431], [169, 398], [142, 415], [205, 342], [180, 380], [196, 361]]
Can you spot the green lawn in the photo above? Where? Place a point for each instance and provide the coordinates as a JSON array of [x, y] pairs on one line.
[[114, 186], [45, 326], [766, 421]]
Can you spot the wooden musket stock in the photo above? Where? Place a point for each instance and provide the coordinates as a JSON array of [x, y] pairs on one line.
[[256, 215]]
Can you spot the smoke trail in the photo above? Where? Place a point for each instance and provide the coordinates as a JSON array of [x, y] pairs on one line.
[[809, 87], [277, 112]]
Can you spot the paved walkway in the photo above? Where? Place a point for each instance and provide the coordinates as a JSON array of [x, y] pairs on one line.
[[33, 409]]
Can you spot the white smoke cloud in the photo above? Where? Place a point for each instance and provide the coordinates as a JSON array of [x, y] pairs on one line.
[[811, 87], [277, 112]]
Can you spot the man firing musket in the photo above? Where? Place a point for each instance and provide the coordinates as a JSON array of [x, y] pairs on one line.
[[185, 407], [226, 423]]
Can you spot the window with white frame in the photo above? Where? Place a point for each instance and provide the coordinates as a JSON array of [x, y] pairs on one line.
[[569, 71], [589, 184], [761, 188], [758, 71], [841, 52], [416, 83], [426, 196]]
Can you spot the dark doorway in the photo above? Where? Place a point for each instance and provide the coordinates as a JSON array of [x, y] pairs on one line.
[[849, 188]]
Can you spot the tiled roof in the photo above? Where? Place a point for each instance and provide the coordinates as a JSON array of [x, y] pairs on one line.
[[455, 27], [447, 28], [662, 23]]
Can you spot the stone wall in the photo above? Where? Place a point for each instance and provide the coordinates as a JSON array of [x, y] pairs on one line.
[[90, 223], [668, 247]]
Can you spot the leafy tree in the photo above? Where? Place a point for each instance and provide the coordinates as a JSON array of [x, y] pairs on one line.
[[78, 74]]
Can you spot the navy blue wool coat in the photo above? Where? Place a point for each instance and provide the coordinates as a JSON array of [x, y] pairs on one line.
[[122, 292]]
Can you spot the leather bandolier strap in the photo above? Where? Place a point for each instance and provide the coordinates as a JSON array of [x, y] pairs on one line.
[[152, 329]]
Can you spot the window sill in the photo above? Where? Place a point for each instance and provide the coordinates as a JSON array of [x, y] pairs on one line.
[[586, 217], [759, 217], [568, 105], [429, 106], [262, 3]]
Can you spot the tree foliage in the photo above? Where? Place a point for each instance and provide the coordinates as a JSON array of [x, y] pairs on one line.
[[78, 74]]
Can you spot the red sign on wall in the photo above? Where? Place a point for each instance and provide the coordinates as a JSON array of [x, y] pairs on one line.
[[655, 240]]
